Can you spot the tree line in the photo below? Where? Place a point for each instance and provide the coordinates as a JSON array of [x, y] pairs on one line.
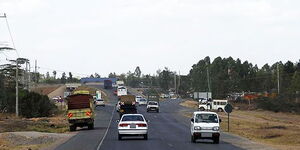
[[222, 76]]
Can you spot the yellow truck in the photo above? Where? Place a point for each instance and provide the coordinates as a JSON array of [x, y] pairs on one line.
[[80, 110]]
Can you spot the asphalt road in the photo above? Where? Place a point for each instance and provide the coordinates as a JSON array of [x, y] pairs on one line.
[[167, 130]]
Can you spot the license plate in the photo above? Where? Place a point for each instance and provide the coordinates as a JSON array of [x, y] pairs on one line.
[[132, 126], [206, 134]]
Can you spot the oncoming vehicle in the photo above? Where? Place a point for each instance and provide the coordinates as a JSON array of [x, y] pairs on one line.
[[212, 105], [99, 102], [153, 106], [142, 101], [137, 98], [132, 125], [205, 125]]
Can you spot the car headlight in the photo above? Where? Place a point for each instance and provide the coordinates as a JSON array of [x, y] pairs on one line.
[[215, 128], [197, 128]]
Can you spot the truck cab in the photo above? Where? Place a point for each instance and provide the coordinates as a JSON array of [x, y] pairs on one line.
[[205, 125], [217, 105]]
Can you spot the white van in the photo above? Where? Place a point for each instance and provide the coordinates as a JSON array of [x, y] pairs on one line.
[[122, 90], [212, 105], [205, 125]]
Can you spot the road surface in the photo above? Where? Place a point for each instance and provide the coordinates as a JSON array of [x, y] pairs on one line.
[[168, 130]]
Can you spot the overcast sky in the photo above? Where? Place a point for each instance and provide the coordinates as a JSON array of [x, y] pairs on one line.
[[117, 35]]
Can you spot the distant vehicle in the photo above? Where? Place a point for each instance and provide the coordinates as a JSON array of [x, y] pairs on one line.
[[142, 101], [164, 96], [153, 106], [116, 92], [99, 102], [122, 90], [80, 110], [218, 105], [132, 125], [120, 83], [137, 98], [114, 85], [107, 84], [205, 125], [127, 105], [202, 95], [118, 105]]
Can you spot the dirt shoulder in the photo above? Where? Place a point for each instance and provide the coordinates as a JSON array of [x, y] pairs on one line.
[[33, 133], [278, 130]]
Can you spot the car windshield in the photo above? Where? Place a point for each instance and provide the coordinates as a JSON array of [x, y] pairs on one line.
[[152, 103], [208, 118], [142, 100], [133, 118]]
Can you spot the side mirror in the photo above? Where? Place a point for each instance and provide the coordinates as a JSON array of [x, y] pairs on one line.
[[192, 120], [117, 121], [220, 120]]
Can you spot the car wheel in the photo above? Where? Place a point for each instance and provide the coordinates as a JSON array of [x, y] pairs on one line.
[[202, 109], [220, 109], [216, 140], [72, 128], [193, 139], [145, 136], [157, 111], [119, 137]]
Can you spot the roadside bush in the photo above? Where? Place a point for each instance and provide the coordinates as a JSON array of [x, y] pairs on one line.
[[35, 105], [279, 104]]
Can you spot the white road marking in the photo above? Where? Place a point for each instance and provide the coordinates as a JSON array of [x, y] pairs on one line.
[[112, 115]]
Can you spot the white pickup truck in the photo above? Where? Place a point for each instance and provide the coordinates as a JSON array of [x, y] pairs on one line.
[[205, 125]]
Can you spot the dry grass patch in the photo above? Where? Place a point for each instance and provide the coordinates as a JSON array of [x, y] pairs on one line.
[[56, 124], [279, 130]]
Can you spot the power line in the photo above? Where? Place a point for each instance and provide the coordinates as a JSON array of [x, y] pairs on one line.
[[10, 34]]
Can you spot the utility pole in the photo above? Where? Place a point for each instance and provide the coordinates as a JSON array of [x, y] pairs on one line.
[[178, 81], [17, 88], [175, 83], [278, 81], [35, 71], [208, 81]]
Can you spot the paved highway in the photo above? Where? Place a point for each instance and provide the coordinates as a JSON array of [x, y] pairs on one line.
[[167, 130]]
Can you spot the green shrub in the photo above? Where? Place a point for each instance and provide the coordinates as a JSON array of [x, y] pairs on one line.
[[35, 105], [279, 104]]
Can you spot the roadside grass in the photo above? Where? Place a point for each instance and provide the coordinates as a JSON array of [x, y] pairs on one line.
[[57, 124], [278, 130]]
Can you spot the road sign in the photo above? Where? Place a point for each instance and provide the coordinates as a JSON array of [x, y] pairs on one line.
[[228, 108]]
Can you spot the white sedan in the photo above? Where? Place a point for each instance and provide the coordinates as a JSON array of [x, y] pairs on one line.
[[132, 125]]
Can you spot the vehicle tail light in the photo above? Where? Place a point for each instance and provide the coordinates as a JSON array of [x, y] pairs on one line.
[[88, 113], [141, 125], [123, 124], [70, 115]]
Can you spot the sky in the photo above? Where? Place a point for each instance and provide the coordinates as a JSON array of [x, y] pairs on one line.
[[106, 36]]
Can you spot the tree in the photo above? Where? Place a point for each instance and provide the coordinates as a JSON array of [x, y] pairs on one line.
[[54, 74], [63, 78], [166, 79], [137, 72], [70, 78], [97, 75], [112, 75], [47, 75]]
